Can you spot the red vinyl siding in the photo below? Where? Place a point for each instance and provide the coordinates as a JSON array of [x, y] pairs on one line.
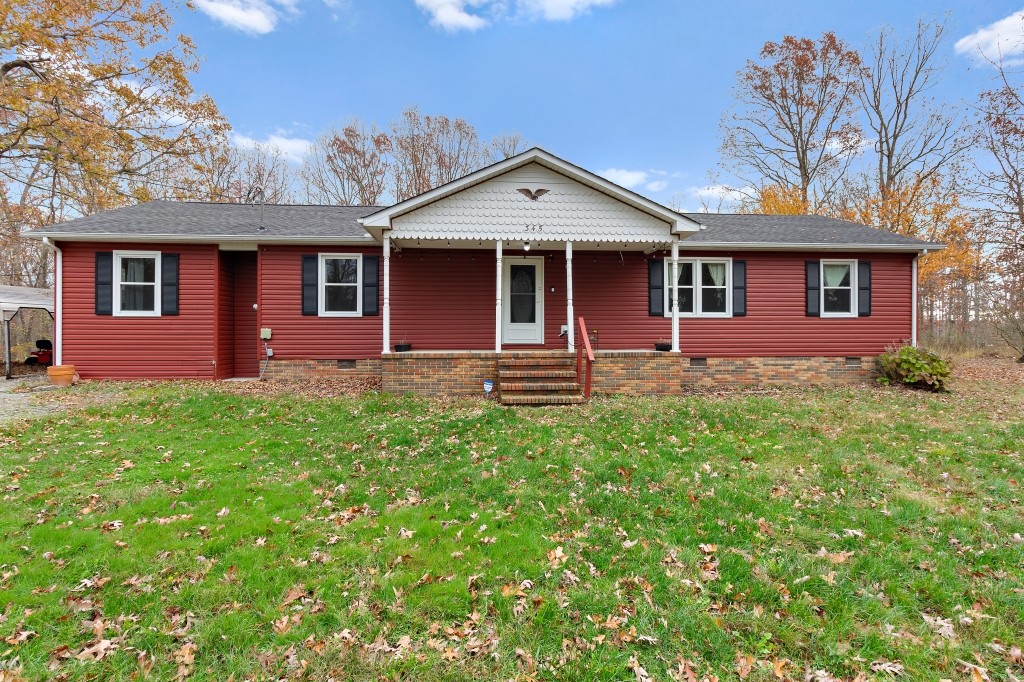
[[225, 316], [246, 333], [172, 346], [612, 295], [444, 300], [298, 336]]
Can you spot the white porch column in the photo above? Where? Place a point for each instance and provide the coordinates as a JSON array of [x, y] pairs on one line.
[[387, 294], [497, 298], [674, 289], [571, 334]]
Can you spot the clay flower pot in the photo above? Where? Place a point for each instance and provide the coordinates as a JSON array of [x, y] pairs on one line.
[[61, 375]]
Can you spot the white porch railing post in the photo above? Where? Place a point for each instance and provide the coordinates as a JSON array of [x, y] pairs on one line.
[[387, 294], [674, 289], [497, 298], [568, 297]]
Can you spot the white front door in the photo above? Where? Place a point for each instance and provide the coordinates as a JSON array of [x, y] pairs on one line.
[[522, 293]]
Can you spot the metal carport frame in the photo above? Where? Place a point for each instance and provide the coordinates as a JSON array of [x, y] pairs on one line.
[[13, 299]]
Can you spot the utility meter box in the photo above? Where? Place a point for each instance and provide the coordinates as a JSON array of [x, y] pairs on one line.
[[265, 333]]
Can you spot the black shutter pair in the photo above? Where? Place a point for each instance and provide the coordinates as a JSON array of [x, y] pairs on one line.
[[656, 288], [813, 280], [371, 286], [169, 283]]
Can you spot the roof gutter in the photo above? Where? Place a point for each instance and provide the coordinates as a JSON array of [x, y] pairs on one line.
[[783, 246], [367, 240]]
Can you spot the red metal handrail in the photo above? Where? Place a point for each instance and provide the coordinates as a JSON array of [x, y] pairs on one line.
[[579, 359]]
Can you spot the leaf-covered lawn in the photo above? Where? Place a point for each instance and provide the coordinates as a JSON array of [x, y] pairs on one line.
[[823, 534]]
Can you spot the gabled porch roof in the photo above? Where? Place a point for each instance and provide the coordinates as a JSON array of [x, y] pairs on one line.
[[506, 201]]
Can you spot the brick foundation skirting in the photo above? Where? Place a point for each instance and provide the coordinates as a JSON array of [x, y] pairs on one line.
[[623, 372], [455, 373], [297, 370]]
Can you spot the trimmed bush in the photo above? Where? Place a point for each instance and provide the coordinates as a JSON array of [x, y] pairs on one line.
[[914, 367]]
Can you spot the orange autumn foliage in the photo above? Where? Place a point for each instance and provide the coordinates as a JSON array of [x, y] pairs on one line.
[[927, 209]]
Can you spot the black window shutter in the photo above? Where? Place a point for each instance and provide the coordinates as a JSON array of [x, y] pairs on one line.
[[104, 283], [813, 288], [169, 284], [309, 285], [656, 287], [739, 288], [864, 288], [371, 285]]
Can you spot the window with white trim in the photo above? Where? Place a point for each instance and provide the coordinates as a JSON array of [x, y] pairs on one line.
[[704, 285], [340, 287], [838, 288], [137, 283]]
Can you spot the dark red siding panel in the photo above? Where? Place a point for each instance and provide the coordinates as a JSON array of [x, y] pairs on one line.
[[110, 347], [246, 333], [225, 317], [296, 336], [611, 293], [444, 300]]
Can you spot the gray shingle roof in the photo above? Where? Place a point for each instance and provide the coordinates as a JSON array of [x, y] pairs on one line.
[[195, 219], [736, 228]]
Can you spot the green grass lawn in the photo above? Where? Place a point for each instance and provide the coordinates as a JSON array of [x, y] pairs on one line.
[[189, 531]]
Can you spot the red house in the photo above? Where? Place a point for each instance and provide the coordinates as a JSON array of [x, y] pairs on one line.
[[486, 277]]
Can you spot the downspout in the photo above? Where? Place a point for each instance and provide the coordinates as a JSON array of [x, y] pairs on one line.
[[58, 312], [913, 298]]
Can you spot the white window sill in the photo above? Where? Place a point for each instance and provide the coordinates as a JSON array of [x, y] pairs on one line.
[[137, 313], [339, 314]]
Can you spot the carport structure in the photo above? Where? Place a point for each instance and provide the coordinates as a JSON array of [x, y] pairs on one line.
[[13, 299]]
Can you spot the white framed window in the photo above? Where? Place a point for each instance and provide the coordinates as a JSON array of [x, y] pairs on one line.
[[340, 285], [704, 285], [137, 283], [839, 288]]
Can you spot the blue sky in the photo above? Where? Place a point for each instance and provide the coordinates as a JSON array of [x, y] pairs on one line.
[[634, 89]]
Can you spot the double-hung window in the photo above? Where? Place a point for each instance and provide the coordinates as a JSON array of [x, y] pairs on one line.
[[838, 288], [136, 283], [704, 286], [341, 278]]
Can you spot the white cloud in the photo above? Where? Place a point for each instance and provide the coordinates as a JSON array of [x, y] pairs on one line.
[[560, 10], [1000, 40], [451, 15], [249, 16], [291, 148], [657, 185], [710, 197], [626, 178], [470, 15]]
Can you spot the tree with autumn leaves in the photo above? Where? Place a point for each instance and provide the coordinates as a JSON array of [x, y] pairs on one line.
[[819, 127], [95, 97]]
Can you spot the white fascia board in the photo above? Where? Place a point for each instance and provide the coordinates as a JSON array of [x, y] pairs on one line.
[[381, 220], [368, 240], [775, 246]]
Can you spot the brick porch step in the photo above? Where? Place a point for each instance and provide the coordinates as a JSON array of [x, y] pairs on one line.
[[537, 374], [551, 361], [541, 399], [534, 386], [539, 378]]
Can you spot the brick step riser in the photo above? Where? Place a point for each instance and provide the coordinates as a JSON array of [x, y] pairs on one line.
[[557, 387], [543, 362], [542, 400], [525, 375]]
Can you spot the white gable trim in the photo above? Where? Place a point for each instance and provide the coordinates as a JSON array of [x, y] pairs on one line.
[[679, 224]]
